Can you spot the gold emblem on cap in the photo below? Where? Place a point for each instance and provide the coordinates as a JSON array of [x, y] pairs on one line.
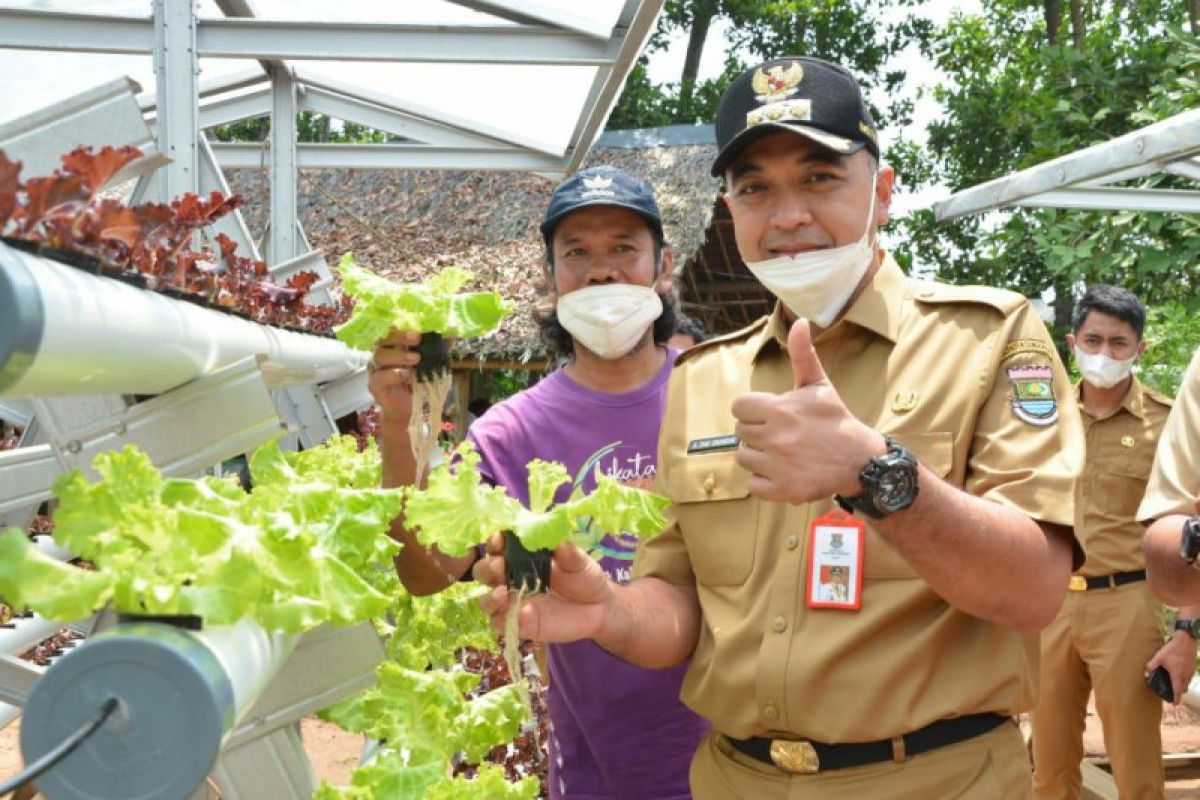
[[777, 83], [904, 402], [1126, 441]]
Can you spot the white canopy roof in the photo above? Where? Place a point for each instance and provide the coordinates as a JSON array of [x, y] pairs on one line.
[[466, 84], [536, 75]]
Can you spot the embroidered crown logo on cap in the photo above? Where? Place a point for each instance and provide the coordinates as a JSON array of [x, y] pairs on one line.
[[804, 95], [597, 187]]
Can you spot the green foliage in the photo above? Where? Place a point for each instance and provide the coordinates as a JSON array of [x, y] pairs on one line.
[[422, 717], [457, 511], [31, 579], [297, 552], [434, 305], [308, 545], [1172, 335], [860, 34], [507, 382], [310, 127], [429, 630], [1013, 100]]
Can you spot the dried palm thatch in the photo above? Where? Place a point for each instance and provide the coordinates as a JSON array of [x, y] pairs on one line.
[[407, 224]]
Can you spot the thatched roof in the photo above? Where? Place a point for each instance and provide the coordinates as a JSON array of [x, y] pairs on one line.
[[405, 224]]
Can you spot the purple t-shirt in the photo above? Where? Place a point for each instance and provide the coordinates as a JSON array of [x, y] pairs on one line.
[[617, 732]]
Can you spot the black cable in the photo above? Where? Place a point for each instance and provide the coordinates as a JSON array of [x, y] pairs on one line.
[[68, 745]]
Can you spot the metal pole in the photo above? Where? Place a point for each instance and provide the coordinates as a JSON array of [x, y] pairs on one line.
[[283, 245], [175, 68]]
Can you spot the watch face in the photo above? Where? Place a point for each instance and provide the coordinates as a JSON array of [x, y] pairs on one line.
[[1189, 544], [1194, 629], [897, 486]]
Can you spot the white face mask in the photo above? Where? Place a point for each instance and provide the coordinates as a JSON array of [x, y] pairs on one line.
[[1102, 371], [816, 285], [609, 318]]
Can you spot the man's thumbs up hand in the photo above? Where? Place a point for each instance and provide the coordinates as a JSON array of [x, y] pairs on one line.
[[804, 444], [806, 365]]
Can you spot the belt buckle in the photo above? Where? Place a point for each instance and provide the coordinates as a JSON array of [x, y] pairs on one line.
[[1078, 583], [798, 758]]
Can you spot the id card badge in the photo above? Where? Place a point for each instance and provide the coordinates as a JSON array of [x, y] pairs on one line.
[[835, 559]]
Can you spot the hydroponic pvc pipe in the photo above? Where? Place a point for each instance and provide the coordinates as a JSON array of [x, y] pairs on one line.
[[180, 692], [64, 331]]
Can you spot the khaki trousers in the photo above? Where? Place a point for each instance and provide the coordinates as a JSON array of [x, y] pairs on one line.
[[1100, 640], [993, 766]]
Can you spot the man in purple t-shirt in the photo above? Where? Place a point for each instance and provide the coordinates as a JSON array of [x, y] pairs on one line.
[[617, 732]]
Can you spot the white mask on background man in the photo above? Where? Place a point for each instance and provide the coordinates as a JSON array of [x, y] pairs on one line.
[[1100, 370], [609, 318], [816, 285]]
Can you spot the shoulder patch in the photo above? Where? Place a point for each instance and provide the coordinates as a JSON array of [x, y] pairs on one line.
[[1033, 398], [1018, 346], [1002, 300], [725, 338]]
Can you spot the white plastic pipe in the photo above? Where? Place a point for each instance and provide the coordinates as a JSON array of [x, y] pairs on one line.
[[66, 332], [250, 656], [25, 633]]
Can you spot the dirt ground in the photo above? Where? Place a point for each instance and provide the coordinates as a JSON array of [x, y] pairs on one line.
[[334, 753]]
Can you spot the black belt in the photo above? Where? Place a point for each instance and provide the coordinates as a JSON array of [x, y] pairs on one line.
[[1109, 581], [808, 757]]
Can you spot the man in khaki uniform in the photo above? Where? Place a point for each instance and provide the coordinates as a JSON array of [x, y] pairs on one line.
[[907, 689], [1171, 499], [1109, 630]]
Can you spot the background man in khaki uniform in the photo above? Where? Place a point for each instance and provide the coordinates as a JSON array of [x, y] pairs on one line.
[[1171, 497], [1109, 630], [909, 695]]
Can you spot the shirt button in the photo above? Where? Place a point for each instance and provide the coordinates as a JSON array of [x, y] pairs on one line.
[[710, 483], [779, 624], [770, 711], [791, 542]]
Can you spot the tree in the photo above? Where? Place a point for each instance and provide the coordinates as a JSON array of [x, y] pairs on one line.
[[860, 34], [310, 127], [1018, 95]]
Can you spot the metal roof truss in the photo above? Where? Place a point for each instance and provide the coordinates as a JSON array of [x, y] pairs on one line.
[[1084, 179]]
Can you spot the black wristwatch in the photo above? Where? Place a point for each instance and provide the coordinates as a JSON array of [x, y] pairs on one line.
[[1189, 540], [1189, 626], [889, 483]]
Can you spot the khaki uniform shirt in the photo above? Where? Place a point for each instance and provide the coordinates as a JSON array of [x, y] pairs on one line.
[[954, 373], [1175, 479], [1120, 452]]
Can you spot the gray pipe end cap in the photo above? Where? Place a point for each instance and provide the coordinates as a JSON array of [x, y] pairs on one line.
[[160, 744]]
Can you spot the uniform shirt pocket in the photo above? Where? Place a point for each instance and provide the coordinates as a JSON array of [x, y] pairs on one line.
[[1119, 483], [716, 515]]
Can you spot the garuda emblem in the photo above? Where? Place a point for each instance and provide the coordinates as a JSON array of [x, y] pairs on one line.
[[777, 83]]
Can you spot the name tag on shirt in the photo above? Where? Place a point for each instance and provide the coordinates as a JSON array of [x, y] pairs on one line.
[[835, 561], [713, 444]]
